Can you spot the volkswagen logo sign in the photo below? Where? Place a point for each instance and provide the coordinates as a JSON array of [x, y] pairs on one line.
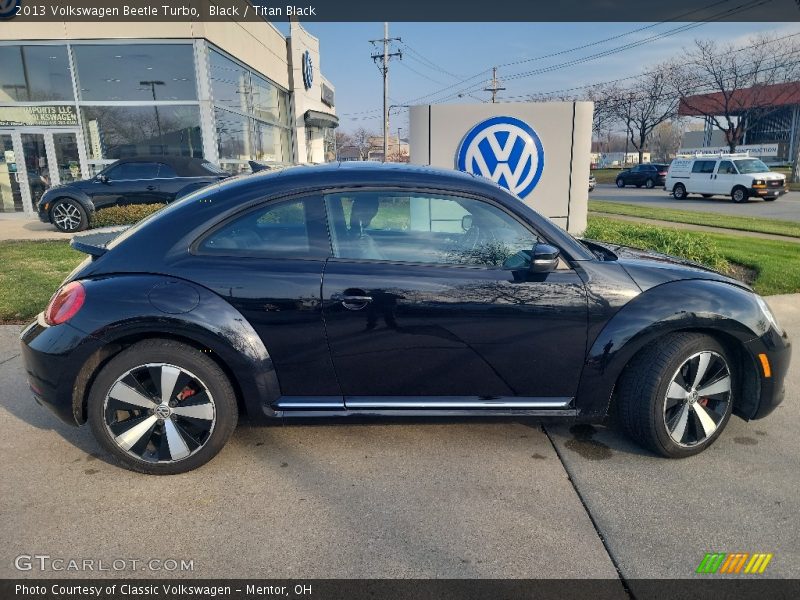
[[308, 70], [8, 8], [507, 151]]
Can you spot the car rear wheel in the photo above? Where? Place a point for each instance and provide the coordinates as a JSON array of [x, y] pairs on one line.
[[739, 195], [676, 395], [69, 216], [679, 191], [649, 184], [162, 407], [620, 182]]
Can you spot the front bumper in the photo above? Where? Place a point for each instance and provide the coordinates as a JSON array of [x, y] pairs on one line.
[[54, 357], [778, 351], [768, 192]]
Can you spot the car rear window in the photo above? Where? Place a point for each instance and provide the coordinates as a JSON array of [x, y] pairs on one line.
[[704, 166]]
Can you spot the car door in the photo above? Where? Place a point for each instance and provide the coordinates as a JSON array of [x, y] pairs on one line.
[[127, 183], [634, 176], [423, 306], [702, 181], [168, 183], [267, 262], [724, 178]]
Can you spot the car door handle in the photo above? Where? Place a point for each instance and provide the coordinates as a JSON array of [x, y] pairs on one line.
[[150, 188], [353, 301]]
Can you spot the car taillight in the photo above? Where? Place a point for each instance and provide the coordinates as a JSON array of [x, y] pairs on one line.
[[65, 303], [662, 173]]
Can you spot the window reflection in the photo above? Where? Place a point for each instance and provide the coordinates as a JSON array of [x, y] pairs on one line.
[[34, 74], [153, 72]]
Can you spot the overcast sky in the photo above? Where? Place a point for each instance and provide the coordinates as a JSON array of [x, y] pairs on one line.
[[442, 55]]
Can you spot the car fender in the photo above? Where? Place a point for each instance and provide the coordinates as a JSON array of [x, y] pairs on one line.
[[119, 309], [78, 196], [695, 304]]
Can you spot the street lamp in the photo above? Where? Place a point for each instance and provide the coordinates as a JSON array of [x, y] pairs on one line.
[[153, 84]]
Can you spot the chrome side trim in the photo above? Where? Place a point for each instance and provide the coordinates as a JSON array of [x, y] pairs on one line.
[[454, 402]]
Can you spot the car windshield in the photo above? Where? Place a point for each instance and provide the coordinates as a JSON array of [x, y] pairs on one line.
[[751, 165]]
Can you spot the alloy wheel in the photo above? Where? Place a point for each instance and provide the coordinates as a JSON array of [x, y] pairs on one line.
[[159, 413], [698, 398], [66, 216]]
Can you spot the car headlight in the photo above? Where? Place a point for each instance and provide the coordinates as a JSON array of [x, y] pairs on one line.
[[768, 313]]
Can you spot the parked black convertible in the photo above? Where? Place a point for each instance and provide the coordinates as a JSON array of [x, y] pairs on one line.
[[140, 180], [361, 289]]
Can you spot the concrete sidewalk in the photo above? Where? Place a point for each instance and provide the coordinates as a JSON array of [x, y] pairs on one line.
[[23, 227]]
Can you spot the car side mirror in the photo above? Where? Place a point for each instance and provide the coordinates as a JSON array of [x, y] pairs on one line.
[[466, 222], [102, 178], [545, 258]]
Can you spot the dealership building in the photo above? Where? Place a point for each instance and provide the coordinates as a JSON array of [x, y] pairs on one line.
[[228, 92], [772, 138]]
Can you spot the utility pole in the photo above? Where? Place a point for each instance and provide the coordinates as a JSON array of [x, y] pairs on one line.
[[495, 86], [384, 69]]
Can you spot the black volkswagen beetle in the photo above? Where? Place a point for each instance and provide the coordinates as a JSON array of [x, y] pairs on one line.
[[139, 180], [360, 289]]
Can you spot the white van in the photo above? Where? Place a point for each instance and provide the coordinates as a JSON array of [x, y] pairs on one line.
[[738, 176]]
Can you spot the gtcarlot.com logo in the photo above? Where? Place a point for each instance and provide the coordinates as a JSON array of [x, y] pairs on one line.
[[734, 563], [45, 562]]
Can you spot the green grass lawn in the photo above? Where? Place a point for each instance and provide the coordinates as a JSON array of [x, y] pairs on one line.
[[676, 215], [606, 175], [30, 272], [776, 263]]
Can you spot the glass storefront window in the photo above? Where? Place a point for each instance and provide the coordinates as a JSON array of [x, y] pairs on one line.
[[148, 72], [266, 103], [34, 74], [329, 143], [271, 143], [230, 83], [114, 132], [233, 136]]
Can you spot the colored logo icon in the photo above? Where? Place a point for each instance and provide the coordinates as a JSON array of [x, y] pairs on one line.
[[506, 150], [308, 70], [734, 563]]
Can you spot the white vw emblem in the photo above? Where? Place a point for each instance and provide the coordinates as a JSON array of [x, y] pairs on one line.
[[506, 150]]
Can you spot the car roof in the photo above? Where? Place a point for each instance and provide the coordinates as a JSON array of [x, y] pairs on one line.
[[184, 166]]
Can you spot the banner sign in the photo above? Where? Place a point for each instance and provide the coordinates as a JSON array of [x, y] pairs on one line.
[[63, 115]]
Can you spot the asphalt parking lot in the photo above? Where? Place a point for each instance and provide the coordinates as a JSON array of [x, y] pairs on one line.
[[439, 499], [787, 207]]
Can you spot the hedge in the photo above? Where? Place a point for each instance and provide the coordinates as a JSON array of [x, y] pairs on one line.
[[128, 214]]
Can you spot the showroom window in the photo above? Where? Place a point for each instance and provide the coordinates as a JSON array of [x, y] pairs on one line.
[[34, 74], [146, 72], [114, 132], [251, 115]]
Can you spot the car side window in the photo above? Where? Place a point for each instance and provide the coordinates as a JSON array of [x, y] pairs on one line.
[[726, 168], [419, 227], [136, 170], [703, 166], [166, 172], [287, 229]]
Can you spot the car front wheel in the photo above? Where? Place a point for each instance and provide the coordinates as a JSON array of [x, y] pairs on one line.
[[69, 216], [739, 195], [162, 407], [620, 183], [676, 395]]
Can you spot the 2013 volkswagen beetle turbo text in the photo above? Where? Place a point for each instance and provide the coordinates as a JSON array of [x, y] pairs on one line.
[[388, 290]]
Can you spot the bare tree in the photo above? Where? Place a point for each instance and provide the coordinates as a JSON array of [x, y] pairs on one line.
[[362, 141], [604, 116], [665, 140], [734, 88], [645, 105]]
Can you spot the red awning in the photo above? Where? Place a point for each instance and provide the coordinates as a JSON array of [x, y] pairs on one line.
[[780, 94]]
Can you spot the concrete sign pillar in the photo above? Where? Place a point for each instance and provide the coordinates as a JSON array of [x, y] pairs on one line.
[[538, 150]]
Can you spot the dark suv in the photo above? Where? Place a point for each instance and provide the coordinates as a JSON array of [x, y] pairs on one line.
[[140, 180], [647, 175]]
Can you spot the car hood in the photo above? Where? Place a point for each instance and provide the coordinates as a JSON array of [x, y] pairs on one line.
[[649, 269], [768, 175]]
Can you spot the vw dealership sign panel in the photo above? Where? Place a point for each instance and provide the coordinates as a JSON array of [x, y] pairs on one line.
[[537, 150]]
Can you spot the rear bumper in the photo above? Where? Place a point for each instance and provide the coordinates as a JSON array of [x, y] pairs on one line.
[[778, 351], [53, 358]]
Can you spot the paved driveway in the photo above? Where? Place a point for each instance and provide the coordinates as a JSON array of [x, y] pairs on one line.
[[787, 207], [445, 498]]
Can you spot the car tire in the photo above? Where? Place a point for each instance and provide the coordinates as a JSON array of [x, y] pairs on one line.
[[771, 199], [739, 195], [620, 182], [661, 405], [68, 216], [679, 191], [649, 184], [147, 433]]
